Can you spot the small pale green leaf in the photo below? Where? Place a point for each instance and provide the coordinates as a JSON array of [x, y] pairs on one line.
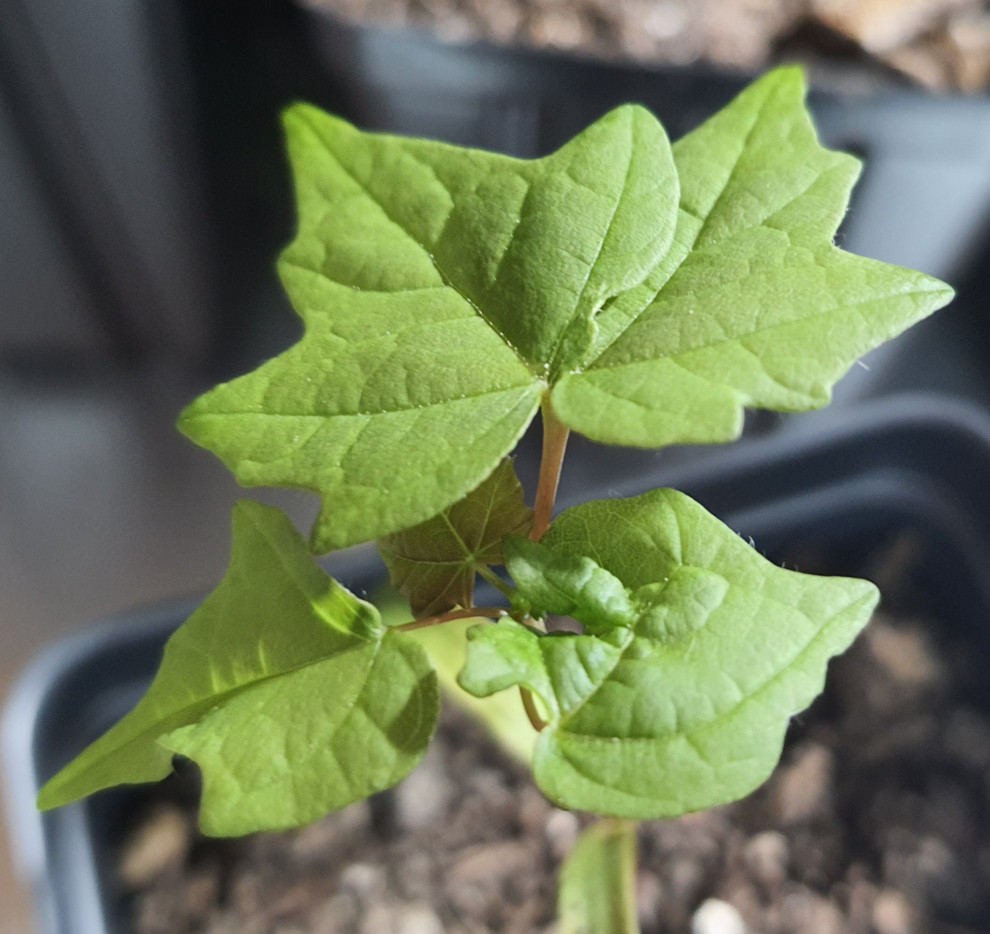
[[753, 305], [597, 892], [501, 656], [563, 670], [434, 563], [286, 689], [686, 709], [502, 714], [567, 585]]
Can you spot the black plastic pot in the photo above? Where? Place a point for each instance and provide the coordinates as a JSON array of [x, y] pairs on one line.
[[913, 464]]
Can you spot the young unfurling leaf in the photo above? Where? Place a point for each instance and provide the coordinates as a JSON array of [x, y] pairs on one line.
[[434, 563], [567, 585], [682, 702]]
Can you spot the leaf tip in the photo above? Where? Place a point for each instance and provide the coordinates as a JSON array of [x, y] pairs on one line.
[[634, 112], [64, 786], [299, 113], [48, 797], [187, 418], [942, 293], [790, 77], [250, 510], [303, 124], [870, 593], [324, 538]]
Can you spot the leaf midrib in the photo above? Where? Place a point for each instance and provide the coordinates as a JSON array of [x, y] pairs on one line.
[[524, 388], [708, 345], [440, 272], [734, 170], [554, 363]]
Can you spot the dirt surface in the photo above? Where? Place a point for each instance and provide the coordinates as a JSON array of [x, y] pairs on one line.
[[940, 44], [876, 822]]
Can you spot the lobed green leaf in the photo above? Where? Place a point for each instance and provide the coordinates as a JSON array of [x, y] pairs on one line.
[[652, 292], [684, 705], [753, 305], [440, 288], [285, 688]]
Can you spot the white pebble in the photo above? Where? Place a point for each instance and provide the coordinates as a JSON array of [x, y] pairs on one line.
[[717, 917], [365, 880], [766, 856], [159, 846], [892, 914], [418, 919]]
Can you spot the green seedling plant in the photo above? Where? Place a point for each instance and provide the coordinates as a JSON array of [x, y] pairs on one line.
[[633, 291]]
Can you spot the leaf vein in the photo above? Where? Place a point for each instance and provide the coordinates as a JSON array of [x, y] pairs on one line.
[[443, 277], [708, 345], [617, 204], [746, 698], [365, 413]]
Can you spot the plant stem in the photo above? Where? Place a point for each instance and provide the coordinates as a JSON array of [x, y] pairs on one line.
[[555, 435], [492, 612], [529, 705], [489, 575]]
